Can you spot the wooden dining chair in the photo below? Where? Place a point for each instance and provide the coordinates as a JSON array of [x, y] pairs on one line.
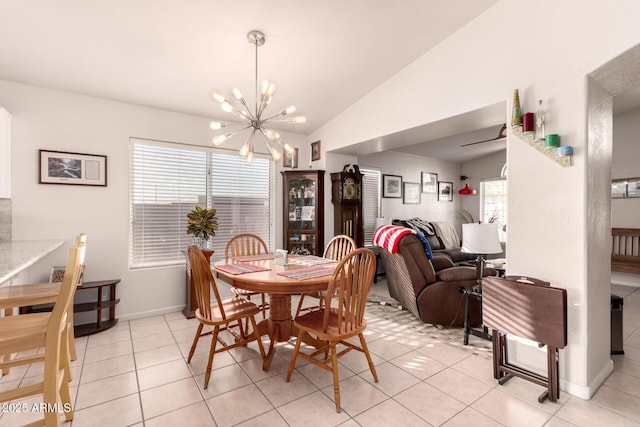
[[20, 334], [221, 315], [342, 316], [16, 296], [337, 248], [243, 245]]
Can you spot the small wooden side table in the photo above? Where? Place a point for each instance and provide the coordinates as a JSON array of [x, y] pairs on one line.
[[98, 306]]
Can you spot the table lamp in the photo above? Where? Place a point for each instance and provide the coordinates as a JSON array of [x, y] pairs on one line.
[[480, 239]]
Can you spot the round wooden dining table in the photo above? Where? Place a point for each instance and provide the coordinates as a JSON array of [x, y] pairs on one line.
[[279, 326]]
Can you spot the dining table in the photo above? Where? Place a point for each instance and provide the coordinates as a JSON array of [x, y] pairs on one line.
[[262, 273]]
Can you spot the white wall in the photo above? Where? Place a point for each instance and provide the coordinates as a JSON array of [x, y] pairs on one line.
[[47, 119], [485, 167], [625, 213], [482, 64], [410, 166]]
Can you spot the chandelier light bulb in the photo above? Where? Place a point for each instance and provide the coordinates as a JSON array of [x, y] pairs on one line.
[[245, 149], [250, 157], [275, 154], [268, 88], [215, 95], [219, 139], [226, 106], [236, 92], [215, 125], [298, 119], [290, 109], [271, 134], [289, 149]]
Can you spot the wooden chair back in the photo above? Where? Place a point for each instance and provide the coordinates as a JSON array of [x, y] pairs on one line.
[[339, 247], [348, 290], [204, 283], [245, 244]]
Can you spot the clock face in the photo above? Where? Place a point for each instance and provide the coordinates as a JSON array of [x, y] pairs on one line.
[[349, 189]]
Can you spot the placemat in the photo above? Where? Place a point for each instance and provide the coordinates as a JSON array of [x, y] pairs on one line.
[[240, 268], [259, 257], [308, 273], [309, 260]]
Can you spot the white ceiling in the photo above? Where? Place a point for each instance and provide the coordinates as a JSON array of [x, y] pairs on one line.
[[323, 56]]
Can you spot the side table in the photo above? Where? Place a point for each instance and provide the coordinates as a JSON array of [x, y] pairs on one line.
[[473, 295]]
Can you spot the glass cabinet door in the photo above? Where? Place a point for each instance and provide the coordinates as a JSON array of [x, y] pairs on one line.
[[303, 213]]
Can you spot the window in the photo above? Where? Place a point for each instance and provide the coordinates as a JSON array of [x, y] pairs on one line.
[[167, 180], [493, 204], [371, 185]]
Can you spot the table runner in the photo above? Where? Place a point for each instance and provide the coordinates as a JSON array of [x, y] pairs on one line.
[[260, 257], [240, 268], [309, 260], [308, 273]]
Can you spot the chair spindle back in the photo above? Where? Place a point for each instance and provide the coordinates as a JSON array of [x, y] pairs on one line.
[[339, 247], [245, 244], [204, 282]]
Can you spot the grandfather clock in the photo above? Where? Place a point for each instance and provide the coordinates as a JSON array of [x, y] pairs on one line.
[[346, 195]]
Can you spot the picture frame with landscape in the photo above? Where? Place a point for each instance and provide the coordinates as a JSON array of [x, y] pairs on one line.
[[290, 160], [411, 193], [392, 186], [62, 167]]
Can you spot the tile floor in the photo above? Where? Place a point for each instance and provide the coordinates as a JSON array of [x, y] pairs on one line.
[[136, 375]]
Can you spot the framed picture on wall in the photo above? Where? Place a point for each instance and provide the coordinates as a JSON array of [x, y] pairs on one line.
[[445, 191], [411, 193], [633, 187], [60, 167], [290, 160], [619, 188], [315, 151], [392, 186], [429, 182]]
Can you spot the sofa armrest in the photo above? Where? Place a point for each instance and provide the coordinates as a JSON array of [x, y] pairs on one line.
[[463, 273], [441, 262]]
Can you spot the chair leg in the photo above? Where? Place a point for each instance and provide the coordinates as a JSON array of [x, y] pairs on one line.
[[292, 365], [195, 342], [336, 381], [257, 334], [71, 335], [65, 367], [65, 357], [365, 349], [299, 306], [212, 352]]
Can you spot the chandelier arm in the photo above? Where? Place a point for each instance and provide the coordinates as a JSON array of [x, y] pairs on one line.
[[282, 113], [246, 110]]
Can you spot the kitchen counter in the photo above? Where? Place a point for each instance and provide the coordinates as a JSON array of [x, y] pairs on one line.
[[18, 255]]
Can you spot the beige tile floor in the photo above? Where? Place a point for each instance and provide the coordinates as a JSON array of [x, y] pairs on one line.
[[136, 375]]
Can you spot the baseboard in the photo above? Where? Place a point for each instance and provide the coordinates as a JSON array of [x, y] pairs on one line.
[[587, 392], [150, 313]]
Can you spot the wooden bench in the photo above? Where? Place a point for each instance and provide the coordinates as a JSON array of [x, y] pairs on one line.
[[625, 250]]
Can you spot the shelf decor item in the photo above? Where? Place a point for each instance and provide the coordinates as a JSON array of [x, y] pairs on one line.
[[539, 135], [516, 112], [202, 224]]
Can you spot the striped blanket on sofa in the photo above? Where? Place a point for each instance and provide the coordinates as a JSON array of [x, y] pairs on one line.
[[389, 236]]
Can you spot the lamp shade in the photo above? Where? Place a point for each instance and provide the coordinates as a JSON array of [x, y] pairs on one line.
[[467, 190], [481, 238]]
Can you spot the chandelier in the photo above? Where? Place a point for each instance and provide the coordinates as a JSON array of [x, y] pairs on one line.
[[254, 119]]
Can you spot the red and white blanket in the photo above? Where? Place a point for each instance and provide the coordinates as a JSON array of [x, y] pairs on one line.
[[388, 236]]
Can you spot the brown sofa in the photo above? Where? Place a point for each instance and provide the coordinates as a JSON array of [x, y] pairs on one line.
[[430, 290]]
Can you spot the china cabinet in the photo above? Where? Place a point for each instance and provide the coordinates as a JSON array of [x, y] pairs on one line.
[[304, 211]]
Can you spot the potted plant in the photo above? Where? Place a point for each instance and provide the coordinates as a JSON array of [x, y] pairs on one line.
[[202, 224]]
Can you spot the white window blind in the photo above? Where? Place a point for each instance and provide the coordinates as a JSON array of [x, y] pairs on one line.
[[371, 186], [493, 204], [167, 181]]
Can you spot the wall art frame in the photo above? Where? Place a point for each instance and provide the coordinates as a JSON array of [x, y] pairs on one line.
[[290, 160], [411, 193], [429, 182], [445, 191], [392, 186], [68, 168], [315, 151]]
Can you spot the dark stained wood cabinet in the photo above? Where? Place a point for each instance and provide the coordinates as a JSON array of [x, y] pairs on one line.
[[304, 211]]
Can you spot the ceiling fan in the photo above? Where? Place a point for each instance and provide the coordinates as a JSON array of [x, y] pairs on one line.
[[502, 134]]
